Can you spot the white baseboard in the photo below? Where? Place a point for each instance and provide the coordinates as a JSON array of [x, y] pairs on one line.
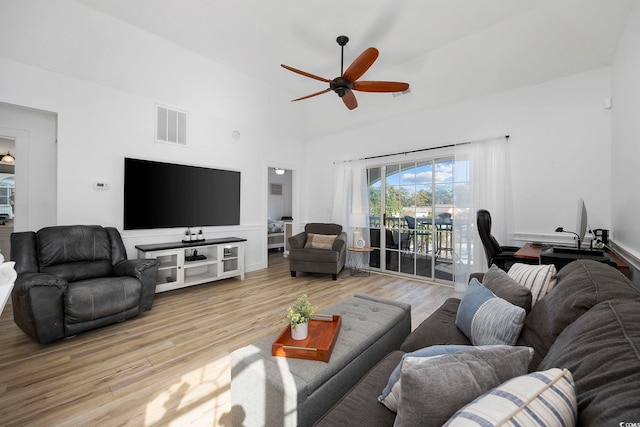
[[559, 239]]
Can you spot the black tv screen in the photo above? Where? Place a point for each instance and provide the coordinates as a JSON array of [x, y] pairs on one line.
[[166, 195]]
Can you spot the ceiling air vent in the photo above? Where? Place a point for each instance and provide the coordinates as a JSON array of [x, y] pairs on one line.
[[171, 125]]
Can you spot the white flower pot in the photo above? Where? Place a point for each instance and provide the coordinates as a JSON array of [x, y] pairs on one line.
[[301, 332]]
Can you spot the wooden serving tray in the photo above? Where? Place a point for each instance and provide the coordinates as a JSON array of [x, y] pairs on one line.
[[317, 346]]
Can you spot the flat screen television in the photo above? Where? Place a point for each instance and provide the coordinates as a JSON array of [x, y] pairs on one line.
[[167, 195]]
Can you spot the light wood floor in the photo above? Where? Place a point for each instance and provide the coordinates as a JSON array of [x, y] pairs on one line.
[[170, 365]]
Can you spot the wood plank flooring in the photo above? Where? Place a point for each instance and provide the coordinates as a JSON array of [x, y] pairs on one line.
[[170, 365]]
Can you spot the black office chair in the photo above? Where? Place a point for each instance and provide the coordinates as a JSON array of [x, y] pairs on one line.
[[502, 256]]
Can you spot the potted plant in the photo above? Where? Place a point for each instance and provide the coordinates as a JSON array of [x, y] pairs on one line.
[[298, 315]]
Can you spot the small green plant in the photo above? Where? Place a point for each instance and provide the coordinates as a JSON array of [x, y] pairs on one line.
[[300, 312]]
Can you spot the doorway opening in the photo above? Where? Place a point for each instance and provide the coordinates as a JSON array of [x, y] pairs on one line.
[[279, 212], [7, 193]]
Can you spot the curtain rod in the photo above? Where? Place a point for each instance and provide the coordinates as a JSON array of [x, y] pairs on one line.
[[424, 149]]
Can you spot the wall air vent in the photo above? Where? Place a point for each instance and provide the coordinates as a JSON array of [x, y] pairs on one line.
[[171, 125]]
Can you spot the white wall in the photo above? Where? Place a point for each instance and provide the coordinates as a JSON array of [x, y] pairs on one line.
[[103, 78], [559, 144], [625, 202]]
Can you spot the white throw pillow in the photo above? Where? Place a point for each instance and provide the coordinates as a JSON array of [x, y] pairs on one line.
[[540, 279], [546, 398]]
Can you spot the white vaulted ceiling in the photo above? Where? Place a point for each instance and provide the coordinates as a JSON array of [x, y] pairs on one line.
[[448, 50]]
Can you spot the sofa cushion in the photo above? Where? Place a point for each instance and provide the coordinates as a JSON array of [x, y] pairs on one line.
[[498, 281], [314, 255], [391, 393], [320, 241], [581, 285], [539, 399], [82, 270], [602, 351], [432, 391], [540, 279], [486, 319], [360, 402], [74, 252], [437, 329], [96, 298]]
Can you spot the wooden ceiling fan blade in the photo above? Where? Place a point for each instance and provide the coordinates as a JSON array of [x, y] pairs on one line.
[[361, 64], [376, 86], [304, 73], [312, 95], [350, 100]]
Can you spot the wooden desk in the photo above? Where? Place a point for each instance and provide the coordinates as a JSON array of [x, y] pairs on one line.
[[529, 251]]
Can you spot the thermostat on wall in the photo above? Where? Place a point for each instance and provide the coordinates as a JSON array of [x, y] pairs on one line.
[[100, 185]]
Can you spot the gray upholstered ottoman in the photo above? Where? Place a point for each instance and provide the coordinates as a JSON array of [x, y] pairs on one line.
[[279, 391]]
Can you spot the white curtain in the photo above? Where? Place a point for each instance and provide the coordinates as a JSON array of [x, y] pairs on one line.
[[351, 198], [485, 166]]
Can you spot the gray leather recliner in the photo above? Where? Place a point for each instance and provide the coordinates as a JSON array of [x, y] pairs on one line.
[[76, 278]]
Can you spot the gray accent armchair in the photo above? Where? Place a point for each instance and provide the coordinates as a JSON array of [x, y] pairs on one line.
[[75, 278], [312, 260]]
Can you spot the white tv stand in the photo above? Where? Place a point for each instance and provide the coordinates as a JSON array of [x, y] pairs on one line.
[[188, 264]]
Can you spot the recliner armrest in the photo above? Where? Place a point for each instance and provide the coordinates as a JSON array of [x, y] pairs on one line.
[[38, 305], [145, 270], [509, 249], [24, 282], [134, 267]]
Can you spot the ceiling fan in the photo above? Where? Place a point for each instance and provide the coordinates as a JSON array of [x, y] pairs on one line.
[[348, 80]]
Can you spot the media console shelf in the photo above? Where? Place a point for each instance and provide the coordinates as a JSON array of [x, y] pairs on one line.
[[188, 264]]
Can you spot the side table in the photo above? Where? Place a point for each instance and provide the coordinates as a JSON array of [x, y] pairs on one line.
[[359, 261]]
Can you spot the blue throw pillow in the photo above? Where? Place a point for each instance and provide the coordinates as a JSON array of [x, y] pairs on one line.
[[486, 319]]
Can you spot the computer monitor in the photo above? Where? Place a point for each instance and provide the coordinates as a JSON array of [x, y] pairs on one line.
[[581, 222]]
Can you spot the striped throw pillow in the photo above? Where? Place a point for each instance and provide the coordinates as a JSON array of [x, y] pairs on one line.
[[320, 241], [540, 279], [546, 398], [486, 319]]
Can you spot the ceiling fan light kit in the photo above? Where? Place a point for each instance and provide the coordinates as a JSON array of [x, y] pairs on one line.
[[347, 82]]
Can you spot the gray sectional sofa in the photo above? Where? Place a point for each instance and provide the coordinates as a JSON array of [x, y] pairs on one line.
[[589, 323]]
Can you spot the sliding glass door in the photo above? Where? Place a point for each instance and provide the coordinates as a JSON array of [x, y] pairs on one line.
[[411, 218]]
